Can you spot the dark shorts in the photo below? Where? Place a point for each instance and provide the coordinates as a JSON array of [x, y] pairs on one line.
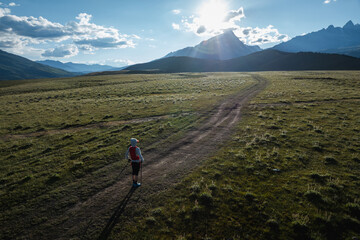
[[135, 168]]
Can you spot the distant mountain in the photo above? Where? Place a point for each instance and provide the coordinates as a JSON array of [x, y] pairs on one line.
[[221, 47], [14, 67], [78, 67], [267, 60], [345, 40]]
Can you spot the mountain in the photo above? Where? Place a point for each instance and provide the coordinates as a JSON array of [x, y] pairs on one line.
[[221, 47], [267, 60], [78, 67], [345, 40], [14, 67]]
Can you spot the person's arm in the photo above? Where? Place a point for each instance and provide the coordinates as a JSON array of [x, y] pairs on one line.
[[138, 152], [127, 154]]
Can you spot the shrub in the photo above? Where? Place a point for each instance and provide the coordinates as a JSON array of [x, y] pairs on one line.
[[319, 178], [53, 178], [195, 188], [314, 196], [150, 221], [273, 224], [249, 196], [156, 212], [354, 209], [330, 160], [206, 199]]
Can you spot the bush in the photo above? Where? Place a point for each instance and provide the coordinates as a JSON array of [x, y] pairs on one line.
[[206, 199], [354, 209], [150, 221], [314, 197], [273, 224], [249, 196], [330, 160]]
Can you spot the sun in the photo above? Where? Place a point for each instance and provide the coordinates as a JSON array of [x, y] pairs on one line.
[[212, 13]]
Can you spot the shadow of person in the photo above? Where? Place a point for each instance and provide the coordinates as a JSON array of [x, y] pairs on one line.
[[116, 215]]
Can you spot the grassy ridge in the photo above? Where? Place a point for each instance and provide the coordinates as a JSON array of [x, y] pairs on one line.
[[63, 140], [291, 170]]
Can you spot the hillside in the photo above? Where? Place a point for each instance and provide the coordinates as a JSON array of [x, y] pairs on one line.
[[13, 67], [343, 40], [267, 60], [222, 47], [78, 67]]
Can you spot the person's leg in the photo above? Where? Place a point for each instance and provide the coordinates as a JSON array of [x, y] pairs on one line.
[[135, 173]]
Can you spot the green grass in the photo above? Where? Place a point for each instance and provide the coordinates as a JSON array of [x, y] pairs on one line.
[[58, 135], [291, 170]]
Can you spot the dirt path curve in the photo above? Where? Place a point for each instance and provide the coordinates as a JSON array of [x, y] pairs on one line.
[[162, 169]]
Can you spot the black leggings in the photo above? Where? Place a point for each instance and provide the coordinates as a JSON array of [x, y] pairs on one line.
[[135, 168]]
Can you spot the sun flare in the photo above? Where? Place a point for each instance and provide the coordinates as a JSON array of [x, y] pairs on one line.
[[212, 13]]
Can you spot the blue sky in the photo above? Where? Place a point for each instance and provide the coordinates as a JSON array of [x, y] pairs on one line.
[[118, 32]]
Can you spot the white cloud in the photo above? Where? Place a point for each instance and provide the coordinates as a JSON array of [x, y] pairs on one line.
[[16, 31], [249, 35], [329, 1], [175, 26], [258, 36], [4, 12], [116, 62], [210, 28], [235, 15], [176, 11], [12, 4], [62, 51]]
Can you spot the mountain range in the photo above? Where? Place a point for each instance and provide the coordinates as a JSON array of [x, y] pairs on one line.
[[345, 40], [267, 60], [78, 67], [325, 49], [222, 47], [13, 67]]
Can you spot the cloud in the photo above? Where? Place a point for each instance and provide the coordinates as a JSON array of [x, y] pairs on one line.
[[248, 35], [329, 1], [62, 51], [255, 36], [12, 4], [175, 26], [20, 31], [39, 28], [201, 26], [106, 42], [176, 11], [235, 15], [4, 12], [201, 29]]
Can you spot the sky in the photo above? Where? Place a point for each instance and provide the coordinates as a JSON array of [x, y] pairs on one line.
[[123, 32]]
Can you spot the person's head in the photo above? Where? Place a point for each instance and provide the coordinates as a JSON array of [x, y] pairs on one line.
[[133, 141]]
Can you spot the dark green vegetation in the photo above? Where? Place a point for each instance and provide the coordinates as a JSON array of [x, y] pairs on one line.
[[63, 140], [16, 67], [267, 60], [291, 170]]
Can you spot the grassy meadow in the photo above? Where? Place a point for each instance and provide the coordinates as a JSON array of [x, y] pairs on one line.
[[290, 171], [63, 140]]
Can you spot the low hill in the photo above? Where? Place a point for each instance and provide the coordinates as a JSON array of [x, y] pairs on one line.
[[13, 67], [78, 67], [267, 60], [222, 47]]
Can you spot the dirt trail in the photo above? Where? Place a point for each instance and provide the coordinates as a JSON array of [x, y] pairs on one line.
[[162, 169]]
